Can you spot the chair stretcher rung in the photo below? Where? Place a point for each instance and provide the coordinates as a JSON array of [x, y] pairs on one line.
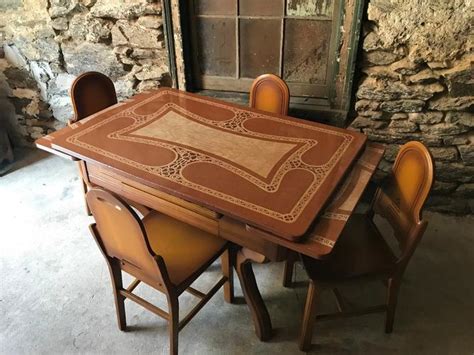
[[146, 304]]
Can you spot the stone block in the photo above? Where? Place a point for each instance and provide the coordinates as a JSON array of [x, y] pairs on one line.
[[460, 78], [60, 23], [61, 107], [138, 36], [385, 90], [444, 153], [61, 84], [99, 30], [151, 72], [443, 188], [467, 153], [125, 9], [150, 21], [465, 190], [364, 105], [426, 117], [424, 76], [14, 57], [381, 57], [364, 122], [403, 126], [464, 118], [81, 57], [446, 103], [443, 129], [454, 172], [402, 105], [59, 8]]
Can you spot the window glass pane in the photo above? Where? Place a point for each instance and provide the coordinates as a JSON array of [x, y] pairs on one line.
[[216, 43], [306, 8], [259, 47], [215, 7], [306, 50], [261, 7]]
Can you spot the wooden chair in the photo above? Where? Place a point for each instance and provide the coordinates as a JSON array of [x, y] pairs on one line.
[[90, 93], [270, 93], [361, 253], [160, 251]]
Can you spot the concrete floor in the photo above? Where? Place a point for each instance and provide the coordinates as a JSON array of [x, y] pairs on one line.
[[55, 294]]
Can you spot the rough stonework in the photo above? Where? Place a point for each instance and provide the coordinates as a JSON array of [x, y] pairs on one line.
[[419, 85], [47, 43]]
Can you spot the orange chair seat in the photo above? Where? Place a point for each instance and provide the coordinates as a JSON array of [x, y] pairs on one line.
[[184, 248], [360, 251]]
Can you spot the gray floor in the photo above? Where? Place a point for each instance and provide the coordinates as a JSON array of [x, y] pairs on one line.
[[55, 295]]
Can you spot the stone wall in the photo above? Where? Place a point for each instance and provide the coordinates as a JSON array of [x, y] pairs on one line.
[[47, 43], [418, 84]]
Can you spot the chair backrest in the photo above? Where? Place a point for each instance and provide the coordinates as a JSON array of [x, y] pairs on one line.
[[401, 199], [120, 234], [90, 93], [270, 93]]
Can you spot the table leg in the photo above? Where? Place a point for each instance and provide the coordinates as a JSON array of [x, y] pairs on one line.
[[261, 318]]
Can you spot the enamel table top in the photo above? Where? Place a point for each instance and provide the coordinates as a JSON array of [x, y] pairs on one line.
[[271, 172]]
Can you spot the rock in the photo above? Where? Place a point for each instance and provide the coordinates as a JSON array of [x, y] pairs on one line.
[[381, 57], [426, 117], [99, 30], [402, 106], [467, 153], [438, 65], [148, 85], [364, 105], [61, 107], [444, 129], [37, 44], [372, 114], [60, 23], [444, 153], [78, 27], [86, 56], [381, 72], [424, 76], [25, 93], [61, 84], [399, 116], [59, 8], [118, 38], [403, 126], [452, 172], [41, 71], [460, 139], [371, 42], [441, 187], [138, 36], [154, 72], [446, 204], [384, 90], [392, 136], [391, 152], [364, 122], [460, 78], [14, 57], [140, 53], [438, 33], [124, 9], [464, 118], [465, 190], [150, 21], [446, 103], [88, 3], [19, 78], [124, 88], [405, 66]]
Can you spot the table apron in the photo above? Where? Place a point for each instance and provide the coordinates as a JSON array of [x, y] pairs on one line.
[[184, 211]]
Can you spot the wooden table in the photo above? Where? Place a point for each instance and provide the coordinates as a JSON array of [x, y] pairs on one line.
[[263, 181]]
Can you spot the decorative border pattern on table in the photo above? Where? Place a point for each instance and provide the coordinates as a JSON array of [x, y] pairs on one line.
[[184, 156]]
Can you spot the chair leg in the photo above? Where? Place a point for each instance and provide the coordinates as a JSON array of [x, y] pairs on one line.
[[309, 317], [116, 276], [173, 323], [392, 298], [288, 273], [84, 188], [227, 265]]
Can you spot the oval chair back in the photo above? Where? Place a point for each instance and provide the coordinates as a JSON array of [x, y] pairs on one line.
[[401, 199], [91, 92], [270, 93]]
